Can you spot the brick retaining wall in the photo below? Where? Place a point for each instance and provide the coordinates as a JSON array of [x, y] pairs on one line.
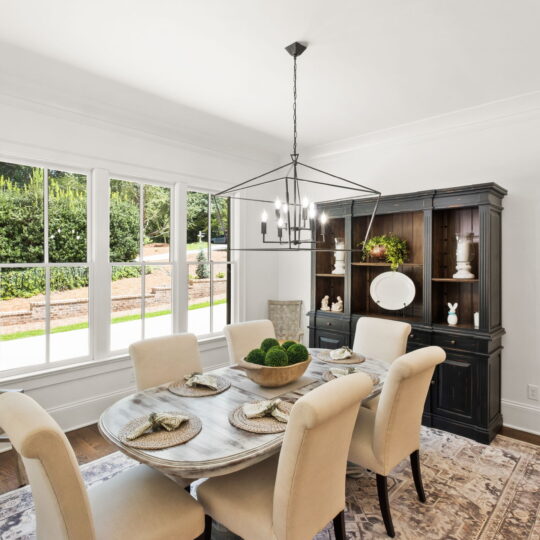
[[62, 309]]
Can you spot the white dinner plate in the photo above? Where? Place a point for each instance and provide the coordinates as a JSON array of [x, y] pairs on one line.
[[392, 290]]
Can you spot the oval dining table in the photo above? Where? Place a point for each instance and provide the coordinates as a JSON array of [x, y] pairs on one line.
[[219, 448]]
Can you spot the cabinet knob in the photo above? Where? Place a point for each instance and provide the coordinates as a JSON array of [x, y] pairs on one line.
[[432, 382], [328, 324], [452, 342], [411, 336]]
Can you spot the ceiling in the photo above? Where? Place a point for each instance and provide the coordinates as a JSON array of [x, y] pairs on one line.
[[370, 65]]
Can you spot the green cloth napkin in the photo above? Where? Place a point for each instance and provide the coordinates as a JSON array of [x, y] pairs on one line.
[[340, 372], [341, 354], [267, 407], [156, 422], [199, 379]]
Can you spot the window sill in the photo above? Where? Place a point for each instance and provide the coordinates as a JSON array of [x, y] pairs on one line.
[[46, 377]]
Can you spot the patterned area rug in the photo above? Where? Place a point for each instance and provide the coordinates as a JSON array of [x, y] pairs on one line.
[[474, 492]]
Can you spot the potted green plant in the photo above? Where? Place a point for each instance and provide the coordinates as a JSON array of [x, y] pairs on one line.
[[389, 247]]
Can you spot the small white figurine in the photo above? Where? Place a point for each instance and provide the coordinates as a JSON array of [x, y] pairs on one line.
[[324, 303], [452, 315], [337, 306]]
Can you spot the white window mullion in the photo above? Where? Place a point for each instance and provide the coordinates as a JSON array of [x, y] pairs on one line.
[[141, 259], [100, 269], [210, 266], [179, 258], [46, 262], [89, 259]]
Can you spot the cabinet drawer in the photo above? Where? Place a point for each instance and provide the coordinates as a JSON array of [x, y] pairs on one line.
[[330, 340], [418, 337], [449, 341], [333, 324]]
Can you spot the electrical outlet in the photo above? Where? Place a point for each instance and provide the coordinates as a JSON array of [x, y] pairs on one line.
[[532, 392]]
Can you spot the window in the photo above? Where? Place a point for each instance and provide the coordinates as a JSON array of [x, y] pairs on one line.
[[74, 289], [44, 270], [140, 256], [208, 261]]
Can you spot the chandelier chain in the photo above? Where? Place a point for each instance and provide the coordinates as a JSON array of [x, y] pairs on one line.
[[294, 108]]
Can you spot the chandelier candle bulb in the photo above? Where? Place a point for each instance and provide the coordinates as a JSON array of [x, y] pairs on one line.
[[277, 205], [264, 219], [280, 228], [305, 207], [323, 220]]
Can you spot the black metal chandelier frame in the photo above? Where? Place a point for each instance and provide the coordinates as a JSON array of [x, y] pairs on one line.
[[296, 218]]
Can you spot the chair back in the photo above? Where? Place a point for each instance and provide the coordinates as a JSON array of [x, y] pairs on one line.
[[310, 482], [399, 413], [163, 359], [61, 502], [243, 337], [286, 316], [381, 339]]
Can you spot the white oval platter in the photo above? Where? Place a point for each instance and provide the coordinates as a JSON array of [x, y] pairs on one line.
[[392, 290]]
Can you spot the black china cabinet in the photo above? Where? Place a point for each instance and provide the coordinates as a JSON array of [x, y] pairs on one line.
[[465, 393]]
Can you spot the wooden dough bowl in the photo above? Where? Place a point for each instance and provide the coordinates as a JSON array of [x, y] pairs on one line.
[[272, 377]]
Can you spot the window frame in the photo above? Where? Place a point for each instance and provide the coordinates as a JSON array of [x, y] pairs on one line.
[[99, 265], [172, 263], [230, 264], [49, 365]]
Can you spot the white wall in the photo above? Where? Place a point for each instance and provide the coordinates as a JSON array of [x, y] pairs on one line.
[[495, 143], [36, 129]]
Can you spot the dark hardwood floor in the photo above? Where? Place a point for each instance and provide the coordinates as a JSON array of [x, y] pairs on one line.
[[89, 445], [520, 435]]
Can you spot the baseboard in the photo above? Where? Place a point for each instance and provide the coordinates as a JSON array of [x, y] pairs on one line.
[[521, 416]]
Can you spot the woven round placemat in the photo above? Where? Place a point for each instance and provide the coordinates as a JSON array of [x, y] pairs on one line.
[[180, 388], [327, 376], [155, 440], [354, 359], [266, 424]]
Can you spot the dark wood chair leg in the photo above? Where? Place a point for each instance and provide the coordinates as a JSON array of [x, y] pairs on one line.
[[382, 491], [207, 527], [339, 526], [417, 475]]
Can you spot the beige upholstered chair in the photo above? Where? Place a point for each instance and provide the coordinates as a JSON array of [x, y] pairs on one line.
[[285, 316], [294, 495], [138, 503], [243, 337], [163, 359], [384, 437], [381, 339]]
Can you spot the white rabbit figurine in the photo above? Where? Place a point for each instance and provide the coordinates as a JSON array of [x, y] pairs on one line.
[[452, 315]]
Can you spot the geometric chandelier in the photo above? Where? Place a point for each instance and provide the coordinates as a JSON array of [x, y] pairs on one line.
[[290, 221]]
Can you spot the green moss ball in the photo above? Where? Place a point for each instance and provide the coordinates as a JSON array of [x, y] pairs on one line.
[[288, 344], [256, 356], [297, 353], [268, 343], [276, 357]]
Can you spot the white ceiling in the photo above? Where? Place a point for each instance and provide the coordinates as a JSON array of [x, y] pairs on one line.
[[370, 65]]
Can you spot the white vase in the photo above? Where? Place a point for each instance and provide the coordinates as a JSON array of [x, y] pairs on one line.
[[339, 256], [463, 257]]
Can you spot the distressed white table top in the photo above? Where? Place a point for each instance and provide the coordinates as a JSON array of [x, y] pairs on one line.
[[219, 448]]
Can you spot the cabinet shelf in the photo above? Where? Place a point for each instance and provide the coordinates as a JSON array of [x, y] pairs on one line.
[[453, 280], [331, 275], [382, 264], [394, 317]]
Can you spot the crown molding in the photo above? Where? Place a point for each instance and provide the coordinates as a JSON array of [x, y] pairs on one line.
[[515, 108]]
